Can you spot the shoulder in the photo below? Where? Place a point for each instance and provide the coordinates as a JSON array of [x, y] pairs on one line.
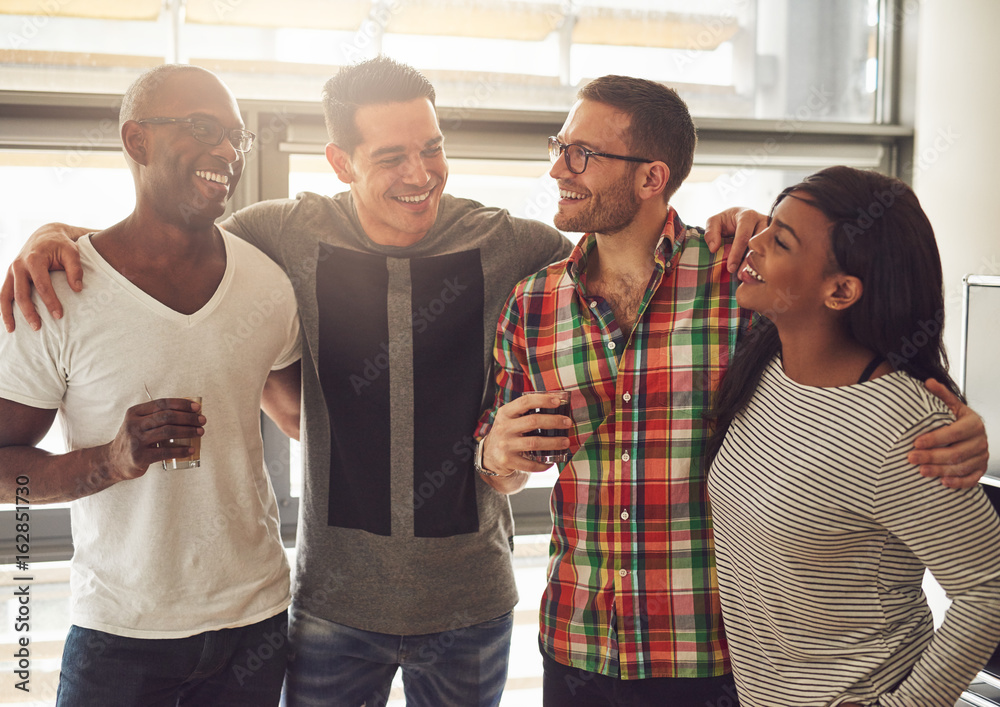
[[700, 273], [305, 204], [536, 289], [696, 252], [908, 396], [888, 411], [101, 281], [261, 209], [250, 260]]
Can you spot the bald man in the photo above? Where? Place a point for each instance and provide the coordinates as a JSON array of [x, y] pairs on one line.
[[179, 581]]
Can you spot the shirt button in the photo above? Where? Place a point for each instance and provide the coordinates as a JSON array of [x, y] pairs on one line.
[[624, 515], [627, 397], [623, 573], [625, 457], [593, 305], [611, 345]]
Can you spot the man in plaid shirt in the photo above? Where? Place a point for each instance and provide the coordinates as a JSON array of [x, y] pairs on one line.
[[630, 614]]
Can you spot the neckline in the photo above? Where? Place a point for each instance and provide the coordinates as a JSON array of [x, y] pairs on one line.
[[776, 365], [154, 305]]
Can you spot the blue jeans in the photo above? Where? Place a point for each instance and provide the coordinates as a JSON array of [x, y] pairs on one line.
[[233, 667], [332, 665]]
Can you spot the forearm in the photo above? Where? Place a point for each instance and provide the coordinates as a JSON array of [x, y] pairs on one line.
[[39, 477], [956, 653], [954, 533], [507, 485]]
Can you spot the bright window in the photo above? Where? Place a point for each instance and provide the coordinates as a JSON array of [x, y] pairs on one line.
[[728, 58]]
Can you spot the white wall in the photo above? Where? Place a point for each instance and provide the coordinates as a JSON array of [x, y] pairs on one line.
[[957, 149]]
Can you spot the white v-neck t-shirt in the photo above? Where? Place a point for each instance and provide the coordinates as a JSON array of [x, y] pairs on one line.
[[172, 553]]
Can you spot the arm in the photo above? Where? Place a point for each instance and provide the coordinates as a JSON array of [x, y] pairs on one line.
[[501, 429], [282, 398], [50, 247], [506, 443], [738, 222], [957, 453], [56, 478], [955, 535]]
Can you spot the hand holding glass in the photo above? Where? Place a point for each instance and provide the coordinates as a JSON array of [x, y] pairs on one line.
[[192, 460], [551, 456]]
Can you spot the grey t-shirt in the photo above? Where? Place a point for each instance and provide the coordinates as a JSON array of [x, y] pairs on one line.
[[397, 533]]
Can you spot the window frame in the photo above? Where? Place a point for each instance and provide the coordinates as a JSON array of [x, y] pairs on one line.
[[58, 121]]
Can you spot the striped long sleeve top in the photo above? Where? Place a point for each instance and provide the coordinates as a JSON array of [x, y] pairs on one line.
[[823, 531]]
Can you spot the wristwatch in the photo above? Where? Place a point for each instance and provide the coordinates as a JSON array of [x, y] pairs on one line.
[[477, 460]]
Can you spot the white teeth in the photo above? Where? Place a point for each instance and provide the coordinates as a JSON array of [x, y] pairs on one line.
[[213, 177], [753, 273], [413, 199], [570, 195]]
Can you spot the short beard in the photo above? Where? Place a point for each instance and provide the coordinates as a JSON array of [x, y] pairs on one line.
[[610, 211]]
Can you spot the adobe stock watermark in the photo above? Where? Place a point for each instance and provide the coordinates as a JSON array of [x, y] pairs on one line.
[[884, 200], [483, 89], [434, 480], [818, 100], [716, 31], [274, 645], [275, 128], [95, 139], [33, 25], [944, 140], [927, 332], [542, 200], [368, 33], [556, 18], [227, 519], [420, 319], [256, 315]]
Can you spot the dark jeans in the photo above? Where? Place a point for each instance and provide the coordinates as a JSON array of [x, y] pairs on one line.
[[563, 686], [234, 667]]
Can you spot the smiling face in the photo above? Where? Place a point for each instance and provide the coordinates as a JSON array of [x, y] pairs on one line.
[[790, 271], [187, 181], [603, 199], [398, 171]]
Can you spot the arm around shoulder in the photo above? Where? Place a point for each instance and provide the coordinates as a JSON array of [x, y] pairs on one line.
[[50, 247]]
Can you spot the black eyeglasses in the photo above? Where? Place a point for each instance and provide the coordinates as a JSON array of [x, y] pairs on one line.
[[577, 156], [210, 132]]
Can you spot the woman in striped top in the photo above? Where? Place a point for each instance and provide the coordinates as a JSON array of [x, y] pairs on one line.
[[822, 527]]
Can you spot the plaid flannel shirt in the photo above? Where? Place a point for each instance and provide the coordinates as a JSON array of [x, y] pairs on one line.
[[632, 589]]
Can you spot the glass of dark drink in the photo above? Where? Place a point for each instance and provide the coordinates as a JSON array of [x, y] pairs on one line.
[[551, 456]]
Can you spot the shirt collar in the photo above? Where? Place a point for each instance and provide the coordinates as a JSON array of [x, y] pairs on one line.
[[667, 252]]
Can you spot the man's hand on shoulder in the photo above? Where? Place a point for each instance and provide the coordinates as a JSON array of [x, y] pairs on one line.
[[50, 247], [957, 453], [739, 223]]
